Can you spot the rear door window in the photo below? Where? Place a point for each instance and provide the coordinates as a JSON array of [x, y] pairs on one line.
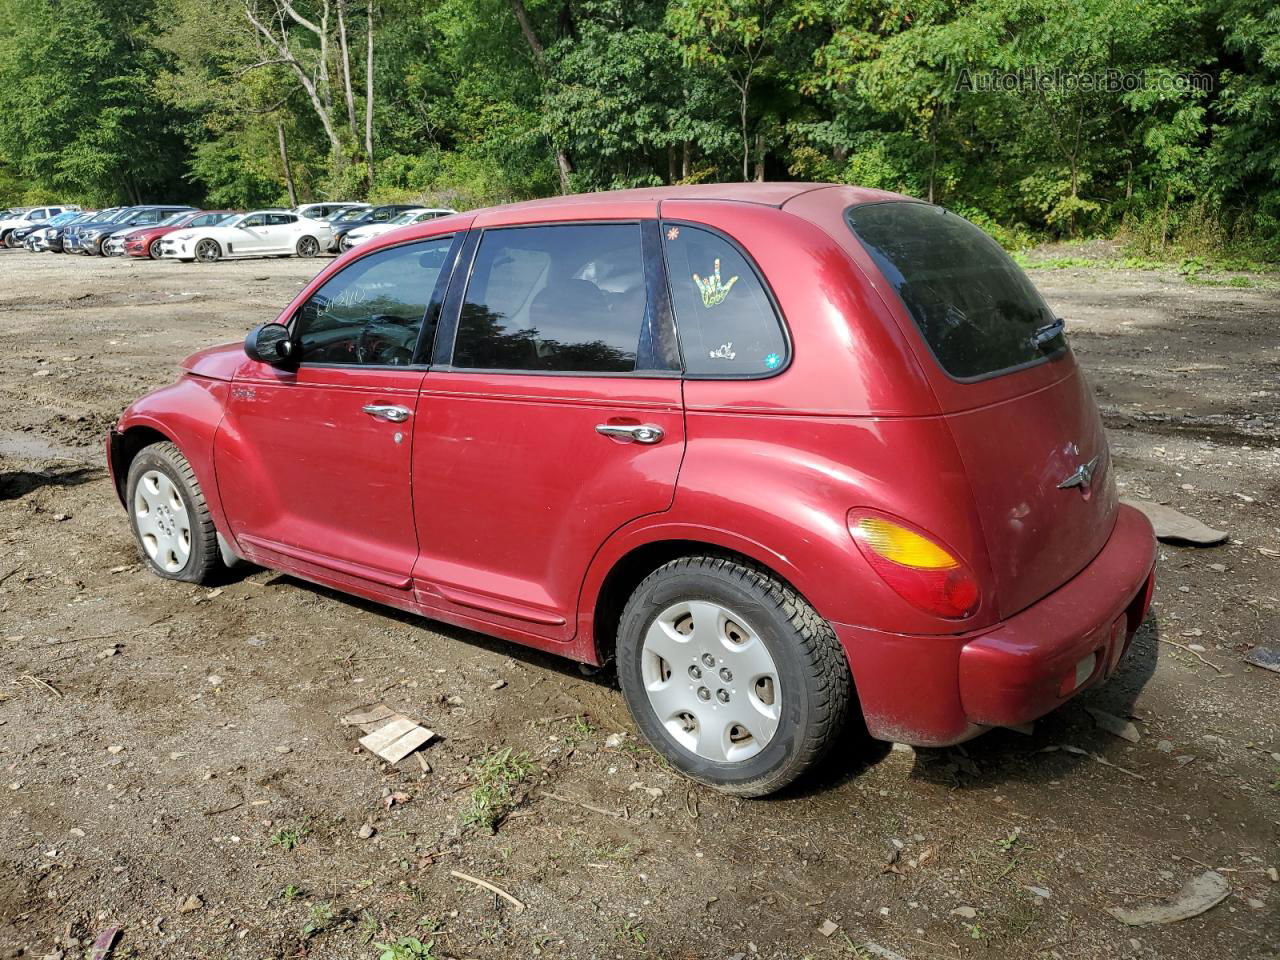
[[726, 320], [563, 299], [973, 305]]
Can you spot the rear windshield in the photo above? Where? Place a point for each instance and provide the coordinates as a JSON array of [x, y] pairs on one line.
[[974, 306]]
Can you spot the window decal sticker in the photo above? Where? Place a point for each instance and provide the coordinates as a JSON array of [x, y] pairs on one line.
[[673, 233], [772, 361], [713, 289], [723, 352]]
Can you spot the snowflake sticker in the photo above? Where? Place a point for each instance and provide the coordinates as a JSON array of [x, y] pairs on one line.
[[673, 233], [772, 361]]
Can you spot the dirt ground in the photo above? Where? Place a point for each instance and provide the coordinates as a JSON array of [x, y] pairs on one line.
[[171, 760]]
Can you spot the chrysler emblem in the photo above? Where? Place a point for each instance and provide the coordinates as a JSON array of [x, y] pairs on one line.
[[1081, 477]]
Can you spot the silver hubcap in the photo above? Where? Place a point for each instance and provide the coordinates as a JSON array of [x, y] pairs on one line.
[[208, 250], [711, 681], [162, 520]]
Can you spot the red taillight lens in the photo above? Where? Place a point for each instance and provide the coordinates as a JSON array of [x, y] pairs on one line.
[[920, 571]]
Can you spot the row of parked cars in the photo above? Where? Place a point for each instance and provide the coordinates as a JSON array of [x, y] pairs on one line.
[[168, 231]]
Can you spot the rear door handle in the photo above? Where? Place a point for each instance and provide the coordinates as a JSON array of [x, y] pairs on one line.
[[638, 433], [387, 411]]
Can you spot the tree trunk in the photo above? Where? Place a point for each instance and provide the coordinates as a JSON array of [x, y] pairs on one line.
[[759, 157], [746, 147], [368, 99], [686, 161], [564, 166], [671, 163], [288, 170], [347, 91]]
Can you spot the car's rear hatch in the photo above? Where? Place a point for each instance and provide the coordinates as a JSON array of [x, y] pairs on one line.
[[1022, 415]]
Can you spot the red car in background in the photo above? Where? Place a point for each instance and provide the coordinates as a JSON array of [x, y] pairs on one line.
[[778, 450], [145, 242]]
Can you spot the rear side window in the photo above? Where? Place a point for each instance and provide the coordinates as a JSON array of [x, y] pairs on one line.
[[727, 323], [973, 305], [567, 299], [280, 219]]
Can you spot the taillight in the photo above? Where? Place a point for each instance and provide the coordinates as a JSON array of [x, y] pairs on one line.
[[918, 569]]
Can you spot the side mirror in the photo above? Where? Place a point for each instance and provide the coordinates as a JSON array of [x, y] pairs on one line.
[[270, 343]]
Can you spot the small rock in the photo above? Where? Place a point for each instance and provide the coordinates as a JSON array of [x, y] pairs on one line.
[[115, 748], [615, 740], [1273, 874], [366, 831], [191, 904], [59, 517], [1255, 904], [968, 913], [1040, 892], [497, 685], [1218, 567], [282, 749], [76, 832], [828, 928], [214, 680], [1196, 647], [454, 701], [1165, 746]]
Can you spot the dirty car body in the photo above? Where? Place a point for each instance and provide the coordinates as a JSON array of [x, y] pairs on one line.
[[777, 448]]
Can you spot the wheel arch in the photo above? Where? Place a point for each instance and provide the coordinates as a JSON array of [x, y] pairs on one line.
[[613, 578], [126, 445]]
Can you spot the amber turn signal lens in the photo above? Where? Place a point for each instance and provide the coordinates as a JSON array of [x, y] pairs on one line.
[[918, 569]]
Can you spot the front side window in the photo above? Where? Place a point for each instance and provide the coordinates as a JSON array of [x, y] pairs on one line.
[[253, 220], [726, 321], [564, 299], [372, 312], [973, 305]]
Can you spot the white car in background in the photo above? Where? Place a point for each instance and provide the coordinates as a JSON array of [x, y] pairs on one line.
[[27, 218], [360, 234], [259, 233], [325, 210]]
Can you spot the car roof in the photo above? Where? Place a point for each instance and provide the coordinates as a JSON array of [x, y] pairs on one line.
[[765, 194]]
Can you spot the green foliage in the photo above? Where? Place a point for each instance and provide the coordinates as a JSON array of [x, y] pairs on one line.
[[406, 948], [495, 796], [117, 100]]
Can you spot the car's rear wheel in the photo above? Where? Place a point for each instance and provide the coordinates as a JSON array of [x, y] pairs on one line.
[[155, 251], [307, 247], [169, 515], [208, 251], [731, 675]]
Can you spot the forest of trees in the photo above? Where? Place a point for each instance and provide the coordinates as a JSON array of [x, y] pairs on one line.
[[1157, 119]]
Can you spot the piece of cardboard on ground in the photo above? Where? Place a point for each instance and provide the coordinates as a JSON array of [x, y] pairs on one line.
[[390, 735], [1170, 525]]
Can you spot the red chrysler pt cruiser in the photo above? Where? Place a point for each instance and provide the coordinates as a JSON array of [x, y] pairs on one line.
[[780, 450]]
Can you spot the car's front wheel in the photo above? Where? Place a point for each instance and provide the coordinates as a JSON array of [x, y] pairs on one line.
[[155, 251], [730, 674], [208, 251], [169, 515], [307, 247]]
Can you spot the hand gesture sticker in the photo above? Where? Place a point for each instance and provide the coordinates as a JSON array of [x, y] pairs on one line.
[[713, 290]]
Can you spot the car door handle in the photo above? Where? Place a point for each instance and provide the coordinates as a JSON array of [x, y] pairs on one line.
[[387, 411], [639, 433]]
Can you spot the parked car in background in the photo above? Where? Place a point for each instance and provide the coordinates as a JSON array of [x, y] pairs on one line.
[[22, 236], [359, 235], [52, 240], [323, 211], [343, 223], [146, 241], [94, 240], [781, 450], [71, 241], [260, 233], [28, 218]]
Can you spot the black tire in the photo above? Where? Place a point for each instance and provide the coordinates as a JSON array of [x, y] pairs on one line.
[[307, 247], [203, 561], [813, 675], [8, 239], [155, 251], [208, 251]]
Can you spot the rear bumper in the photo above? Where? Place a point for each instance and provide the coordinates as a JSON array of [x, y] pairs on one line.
[[934, 691]]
